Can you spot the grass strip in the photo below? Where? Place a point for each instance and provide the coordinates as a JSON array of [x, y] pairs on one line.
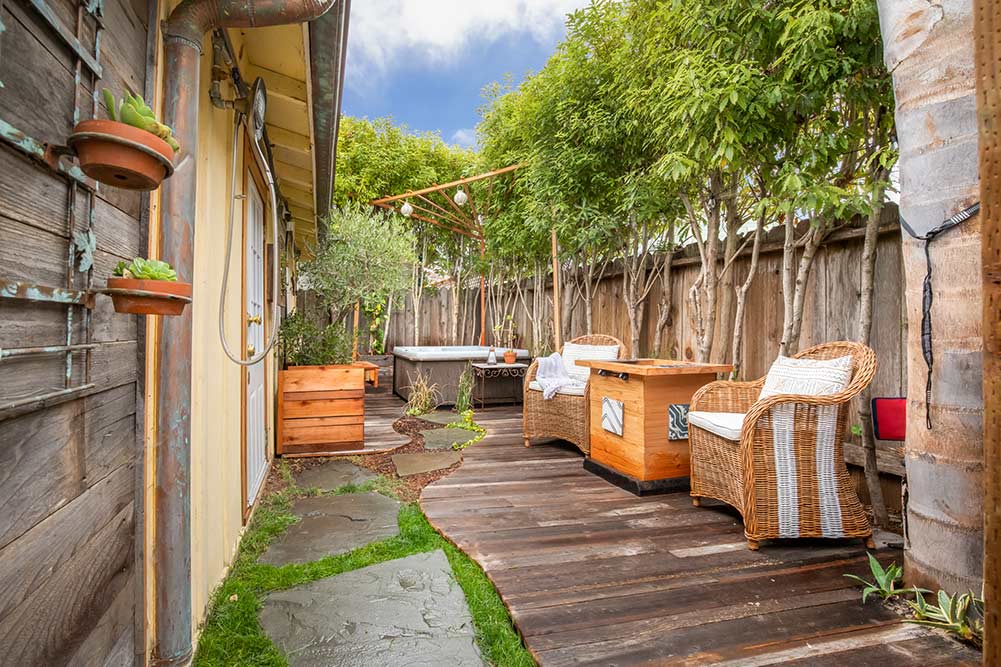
[[232, 634]]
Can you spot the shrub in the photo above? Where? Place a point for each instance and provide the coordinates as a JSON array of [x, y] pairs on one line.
[[304, 343], [424, 395], [464, 391]]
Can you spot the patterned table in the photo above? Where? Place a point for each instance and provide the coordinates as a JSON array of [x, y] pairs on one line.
[[485, 371]]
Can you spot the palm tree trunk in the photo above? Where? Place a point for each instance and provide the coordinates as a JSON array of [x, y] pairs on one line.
[[929, 49]]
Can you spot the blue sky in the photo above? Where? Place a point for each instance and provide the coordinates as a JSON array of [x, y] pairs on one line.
[[425, 62]]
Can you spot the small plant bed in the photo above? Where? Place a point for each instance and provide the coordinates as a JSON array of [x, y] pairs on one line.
[[147, 287], [233, 634]]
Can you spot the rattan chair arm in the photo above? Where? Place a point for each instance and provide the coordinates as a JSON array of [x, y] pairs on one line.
[[765, 405], [727, 396], [533, 370]]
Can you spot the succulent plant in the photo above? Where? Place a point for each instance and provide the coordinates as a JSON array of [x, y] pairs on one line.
[[134, 111]]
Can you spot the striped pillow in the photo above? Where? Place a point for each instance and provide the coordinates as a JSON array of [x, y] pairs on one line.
[[810, 377]]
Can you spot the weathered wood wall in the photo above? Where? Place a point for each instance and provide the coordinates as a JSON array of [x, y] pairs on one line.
[[831, 313], [69, 473]]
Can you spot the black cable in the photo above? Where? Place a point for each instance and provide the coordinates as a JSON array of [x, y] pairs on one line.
[[927, 296]]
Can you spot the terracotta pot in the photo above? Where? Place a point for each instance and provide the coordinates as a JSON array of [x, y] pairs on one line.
[[121, 155], [151, 304], [510, 356]]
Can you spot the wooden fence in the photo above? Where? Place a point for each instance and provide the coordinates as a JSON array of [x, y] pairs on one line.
[[831, 312]]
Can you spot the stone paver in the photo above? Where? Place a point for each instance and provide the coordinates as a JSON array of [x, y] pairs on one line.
[[333, 474], [333, 525], [413, 464], [442, 417], [444, 438], [409, 612]]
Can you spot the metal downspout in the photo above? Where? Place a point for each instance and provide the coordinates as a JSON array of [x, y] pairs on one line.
[[183, 34]]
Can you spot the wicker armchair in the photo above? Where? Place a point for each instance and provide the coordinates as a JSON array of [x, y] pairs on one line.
[[807, 493], [564, 417]]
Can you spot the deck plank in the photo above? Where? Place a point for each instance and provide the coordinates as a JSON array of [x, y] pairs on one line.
[[595, 575]]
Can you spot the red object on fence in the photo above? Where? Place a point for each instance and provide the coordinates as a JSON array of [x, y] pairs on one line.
[[889, 418]]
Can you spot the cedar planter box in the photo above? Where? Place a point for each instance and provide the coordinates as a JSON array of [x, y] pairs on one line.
[[321, 410]]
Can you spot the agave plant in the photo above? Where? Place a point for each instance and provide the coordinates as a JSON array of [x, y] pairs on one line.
[[886, 580], [145, 269], [961, 615]]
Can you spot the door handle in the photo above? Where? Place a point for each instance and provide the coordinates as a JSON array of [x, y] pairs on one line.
[[253, 319], [251, 350]]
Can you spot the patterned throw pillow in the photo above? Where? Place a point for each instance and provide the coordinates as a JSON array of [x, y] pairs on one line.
[[810, 377], [574, 351]]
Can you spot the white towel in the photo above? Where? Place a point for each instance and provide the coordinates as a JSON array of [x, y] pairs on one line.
[[552, 375]]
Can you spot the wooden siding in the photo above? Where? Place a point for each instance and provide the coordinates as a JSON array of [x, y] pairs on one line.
[[70, 588]]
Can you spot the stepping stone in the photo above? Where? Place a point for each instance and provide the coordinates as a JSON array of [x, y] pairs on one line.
[[444, 438], [413, 464], [332, 475], [441, 417], [332, 525], [409, 611]]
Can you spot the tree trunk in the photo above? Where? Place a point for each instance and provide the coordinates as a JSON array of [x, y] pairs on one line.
[[728, 281], [793, 326], [865, 335], [737, 353], [929, 49], [665, 318]]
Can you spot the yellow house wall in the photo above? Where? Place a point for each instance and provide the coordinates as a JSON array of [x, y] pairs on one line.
[[217, 384]]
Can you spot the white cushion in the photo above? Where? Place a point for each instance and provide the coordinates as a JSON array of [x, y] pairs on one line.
[[810, 377], [567, 390], [574, 351], [724, 424]]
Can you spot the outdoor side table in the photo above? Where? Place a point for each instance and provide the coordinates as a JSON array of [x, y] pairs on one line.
[[505, 384], [639, 421]]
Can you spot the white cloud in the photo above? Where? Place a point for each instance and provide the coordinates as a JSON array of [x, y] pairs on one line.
[[465, 137], [437, 31]]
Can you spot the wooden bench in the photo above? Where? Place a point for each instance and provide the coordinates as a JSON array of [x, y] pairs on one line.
[[371, 372]]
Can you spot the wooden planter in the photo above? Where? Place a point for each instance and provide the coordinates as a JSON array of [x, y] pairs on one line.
[[121, 155], [321, 410], [148, 297]]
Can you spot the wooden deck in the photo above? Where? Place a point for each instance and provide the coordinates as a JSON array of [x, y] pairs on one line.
[[594, 575]]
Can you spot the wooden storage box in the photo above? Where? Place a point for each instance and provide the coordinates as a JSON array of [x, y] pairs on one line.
[[321, 410]]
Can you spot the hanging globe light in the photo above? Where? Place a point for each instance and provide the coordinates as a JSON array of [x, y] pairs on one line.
[[406, 210], [460, 197]]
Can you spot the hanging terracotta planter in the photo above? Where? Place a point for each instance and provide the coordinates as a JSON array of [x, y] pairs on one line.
[[148, 297], [121, 155]]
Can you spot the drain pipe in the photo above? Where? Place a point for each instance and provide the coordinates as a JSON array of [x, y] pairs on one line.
[[183, 33]]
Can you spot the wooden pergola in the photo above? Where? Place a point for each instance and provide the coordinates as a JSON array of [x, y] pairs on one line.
[[436, 206]]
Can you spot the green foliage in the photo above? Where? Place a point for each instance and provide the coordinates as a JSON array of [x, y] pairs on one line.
[[145, 269], [961, 615], [424, 394], [303, 343], [377, 159], [374, 310], [467, 423], [885, 581], [365, 257], [232, 634], [857, 430], [464, 390], [134, 111]]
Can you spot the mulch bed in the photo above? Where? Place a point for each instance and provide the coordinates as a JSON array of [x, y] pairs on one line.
[[409, 488]]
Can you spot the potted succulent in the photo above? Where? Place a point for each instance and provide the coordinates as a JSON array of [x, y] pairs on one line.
[[147, 287], [321, 393], [130, 150], [505, 336]]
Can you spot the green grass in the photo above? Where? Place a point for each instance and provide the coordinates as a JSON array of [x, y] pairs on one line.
[[233, 636]]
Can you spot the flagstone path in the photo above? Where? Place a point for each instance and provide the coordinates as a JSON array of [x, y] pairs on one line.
[[409, 611]]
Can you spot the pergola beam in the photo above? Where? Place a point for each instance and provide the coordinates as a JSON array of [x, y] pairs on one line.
[[453, 184], [458, 222]]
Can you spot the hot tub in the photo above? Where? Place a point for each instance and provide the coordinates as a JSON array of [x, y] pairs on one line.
[[445, 365]]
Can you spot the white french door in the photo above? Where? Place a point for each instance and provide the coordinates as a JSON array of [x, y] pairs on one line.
[[256, 438]]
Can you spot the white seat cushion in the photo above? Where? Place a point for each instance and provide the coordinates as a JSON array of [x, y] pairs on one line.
[[567, 390], [574, 351], [724, 424], [810, 377]]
